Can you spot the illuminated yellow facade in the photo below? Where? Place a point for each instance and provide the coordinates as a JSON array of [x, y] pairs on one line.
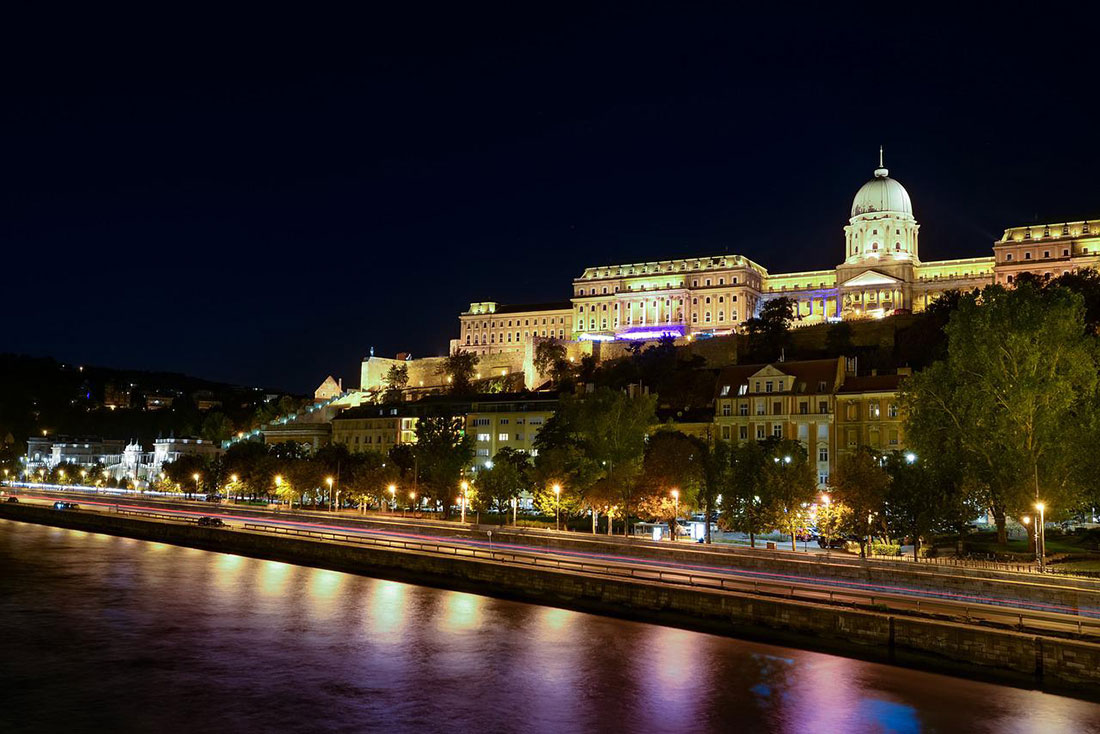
[[881, 274]]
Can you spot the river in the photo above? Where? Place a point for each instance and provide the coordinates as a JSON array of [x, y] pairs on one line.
[[101, 633]]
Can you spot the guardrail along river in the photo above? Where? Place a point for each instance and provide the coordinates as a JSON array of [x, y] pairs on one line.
[[114, 634]]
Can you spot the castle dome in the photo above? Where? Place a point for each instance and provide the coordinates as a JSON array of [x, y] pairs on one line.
[[882, 194]]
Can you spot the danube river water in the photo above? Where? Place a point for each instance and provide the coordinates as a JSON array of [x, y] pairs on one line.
[[110, 634]]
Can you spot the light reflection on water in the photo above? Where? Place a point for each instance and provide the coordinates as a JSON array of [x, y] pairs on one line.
[[115, 634]]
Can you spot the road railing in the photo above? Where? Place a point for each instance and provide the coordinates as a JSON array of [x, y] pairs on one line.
[[967, 611]]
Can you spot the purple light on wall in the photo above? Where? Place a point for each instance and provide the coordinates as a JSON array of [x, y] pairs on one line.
[[649, 332]]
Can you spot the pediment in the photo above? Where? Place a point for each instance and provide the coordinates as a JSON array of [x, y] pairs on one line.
[[870, 278]]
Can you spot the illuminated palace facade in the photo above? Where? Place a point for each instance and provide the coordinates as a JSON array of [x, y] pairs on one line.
[[881, 274]]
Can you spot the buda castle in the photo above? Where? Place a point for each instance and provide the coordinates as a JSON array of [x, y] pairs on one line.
[[881, 274]]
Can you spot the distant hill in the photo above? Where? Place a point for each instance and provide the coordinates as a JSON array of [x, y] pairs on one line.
[[41, 394]]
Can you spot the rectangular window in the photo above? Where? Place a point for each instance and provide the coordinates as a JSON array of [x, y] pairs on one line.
[[768, 386], [502, 436], [777, 408], [892, 411], [759, 431], [727, 409], [743, 409], [777, 430], [483, 437], [873, 410], [726, 433], [760, 407], [743, 432], [823, 478], [803, 408], [822, 453]]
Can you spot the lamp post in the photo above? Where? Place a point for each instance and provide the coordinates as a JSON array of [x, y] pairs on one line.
[[233, 479], [1041, 536], [195, 476], [393, 498], [675, 513], [412, 502], [557, 506], [279, 487], [328, 480], [465, 490]]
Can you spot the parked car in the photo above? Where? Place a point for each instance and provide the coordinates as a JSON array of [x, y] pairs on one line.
[[211, 522], [61, 505], [840, 541], [12, 498]]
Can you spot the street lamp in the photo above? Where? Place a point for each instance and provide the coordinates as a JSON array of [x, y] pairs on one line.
[[279, 489], [331, 497], [675, 512], [233, 479], [195, 476], [1040, 535], [910, 457], [412, 502], [465, 491], [393, 497], [557, 506]]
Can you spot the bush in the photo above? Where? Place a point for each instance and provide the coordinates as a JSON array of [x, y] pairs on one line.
[[927, 551], [885, 549]]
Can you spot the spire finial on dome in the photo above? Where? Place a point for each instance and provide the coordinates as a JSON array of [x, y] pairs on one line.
[[881, 171]]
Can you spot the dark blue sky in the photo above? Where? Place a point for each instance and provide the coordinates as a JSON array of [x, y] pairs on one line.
[[261, 198]]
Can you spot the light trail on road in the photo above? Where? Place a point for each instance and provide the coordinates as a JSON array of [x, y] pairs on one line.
[[610, 559]]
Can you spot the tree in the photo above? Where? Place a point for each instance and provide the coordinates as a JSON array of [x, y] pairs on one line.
[[551, 361], [182, 473], [674, 463], [789, 487], [716, 467], [459, 369], [838, 340], [860, 483], [920, 500], [834, 519], [1020, 367], [502, 482], [396, 379], [744, 485], [600, 435], [443, 451], [216, 427], [769, 333]]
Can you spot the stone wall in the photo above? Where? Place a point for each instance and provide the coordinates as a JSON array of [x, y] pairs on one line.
[[1056, 663]]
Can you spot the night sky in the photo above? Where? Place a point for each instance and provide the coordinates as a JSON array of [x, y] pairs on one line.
[[261, 198]]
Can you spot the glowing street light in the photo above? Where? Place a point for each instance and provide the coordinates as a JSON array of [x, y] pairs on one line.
[[465, 493], [1040, 535], [557, 506], [910, 457], [195, 476], [675, 513], [393, 497], [331, 496]]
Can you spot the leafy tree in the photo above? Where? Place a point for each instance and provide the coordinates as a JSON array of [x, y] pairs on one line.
[[860, 483], [789, 487], [834, 519], [742, 498], [503, 482], [920, 500], [459, 368], [216, 427], [838, 340], [673, 462], [1020, 367], [443, 451], [396, 379], [183, 470], [598, 436], [551, 361], [769, 333]]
